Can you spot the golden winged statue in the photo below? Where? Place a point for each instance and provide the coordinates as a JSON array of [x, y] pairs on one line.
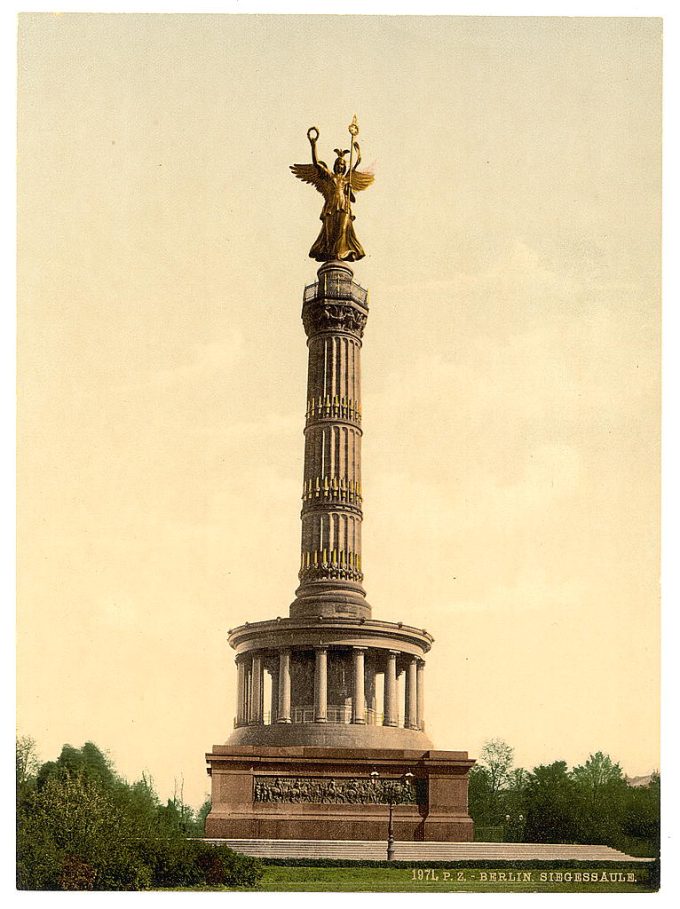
[[336, 239]]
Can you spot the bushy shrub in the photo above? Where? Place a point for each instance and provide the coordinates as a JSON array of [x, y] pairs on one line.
[[185, 863], [71, 835], [76, 874], [171, 862], [81, 827], [221, 865]]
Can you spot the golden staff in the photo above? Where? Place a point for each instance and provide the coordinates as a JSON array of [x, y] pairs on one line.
[[354, 132]]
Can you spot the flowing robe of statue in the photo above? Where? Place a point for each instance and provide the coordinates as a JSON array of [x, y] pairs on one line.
[[337, 239]]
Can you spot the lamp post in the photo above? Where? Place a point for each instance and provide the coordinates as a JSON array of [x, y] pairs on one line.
[[391, 801], [514, 827]]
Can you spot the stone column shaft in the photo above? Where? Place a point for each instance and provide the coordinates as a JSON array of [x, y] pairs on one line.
[[284, 687], [321, 686], [370, 689], [391, 711], [411, 717], [248, 688], [274, 696], [358, 691], [256, 705], [334, 313], [241, 692], [421, 694]]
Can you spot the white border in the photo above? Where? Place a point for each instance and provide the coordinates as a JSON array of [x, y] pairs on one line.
[[671, 371]]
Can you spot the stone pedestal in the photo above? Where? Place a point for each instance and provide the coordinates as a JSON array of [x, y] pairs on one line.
[[328, 793]]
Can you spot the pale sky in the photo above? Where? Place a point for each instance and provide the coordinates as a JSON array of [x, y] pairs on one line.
[[510, 368]]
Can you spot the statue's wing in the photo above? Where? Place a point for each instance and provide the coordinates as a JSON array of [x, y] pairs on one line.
[[310, 174], [361, 180]]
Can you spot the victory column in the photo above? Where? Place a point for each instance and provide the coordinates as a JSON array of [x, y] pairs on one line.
[[340, 737]]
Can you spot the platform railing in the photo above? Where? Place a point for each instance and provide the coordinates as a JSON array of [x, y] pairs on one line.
[[339, 714], [334, 288]]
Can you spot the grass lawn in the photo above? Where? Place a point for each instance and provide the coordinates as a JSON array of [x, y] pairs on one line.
[[619, 879]]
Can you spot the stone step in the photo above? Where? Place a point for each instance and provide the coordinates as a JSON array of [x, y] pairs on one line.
[[375, 850]]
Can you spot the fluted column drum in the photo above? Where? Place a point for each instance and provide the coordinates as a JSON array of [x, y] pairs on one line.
[[334, 315]]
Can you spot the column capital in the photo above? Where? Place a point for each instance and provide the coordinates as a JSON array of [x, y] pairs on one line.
[[359, 647]]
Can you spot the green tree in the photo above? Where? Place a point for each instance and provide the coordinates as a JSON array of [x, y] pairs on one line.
[[140, 804], [601, 795], [201, 815], [641, 821], [179, 813], [551, 810], [488, 781], [513, 805], [591, 803], [497, 757], [27, 766], [27, 759], [598, 772], [480, 801], [88, 761]]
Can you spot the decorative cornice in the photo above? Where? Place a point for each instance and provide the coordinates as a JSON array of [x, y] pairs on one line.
[[334, 316], [304, 633], [330, 573]]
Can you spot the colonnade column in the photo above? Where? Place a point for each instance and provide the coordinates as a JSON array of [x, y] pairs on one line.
[[421, 694], [256, 703], [370, 689], [284, 687], [358, 691], [321, 685], [274, 697], [241, 715], [411, 718], [391, 711]]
